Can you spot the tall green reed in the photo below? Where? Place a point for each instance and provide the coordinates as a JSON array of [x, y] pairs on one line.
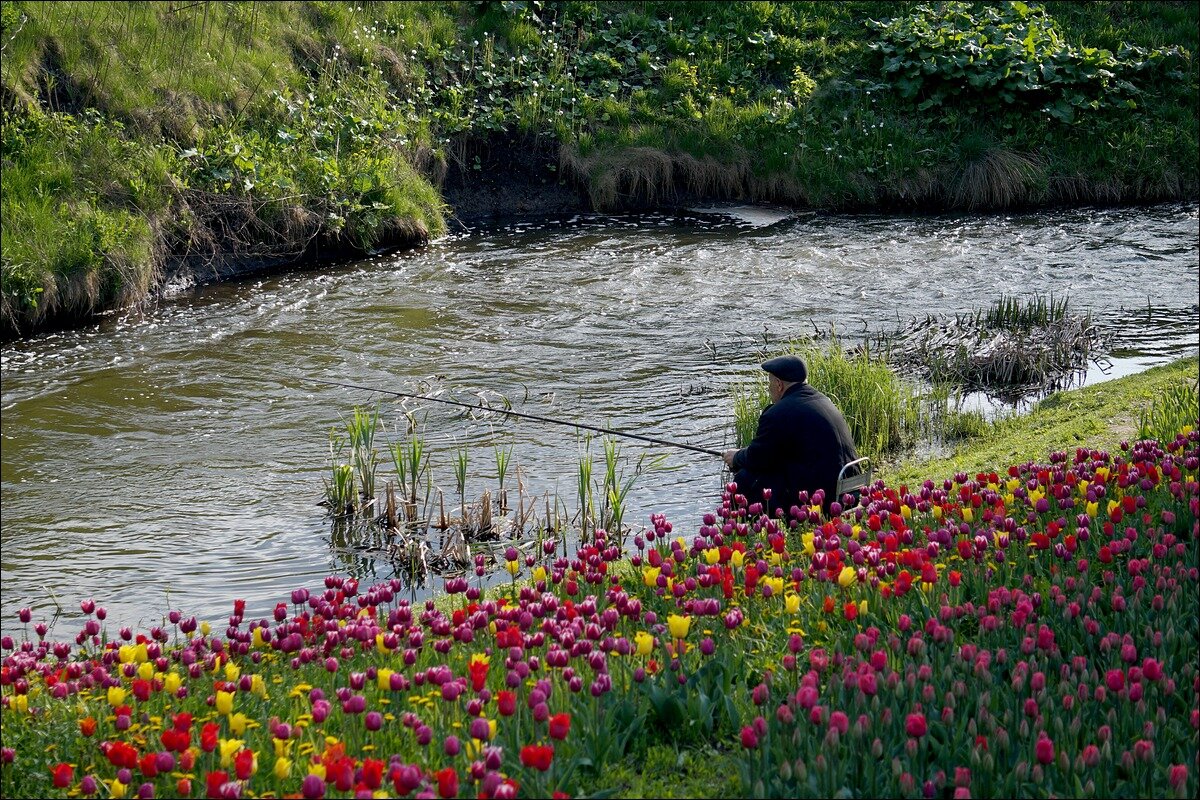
[[461, 458], [411, 464], [360, 433], [583, 486], [503, 459], [339, 485]]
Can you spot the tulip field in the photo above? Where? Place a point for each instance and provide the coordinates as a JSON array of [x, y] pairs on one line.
[[1026, 632]]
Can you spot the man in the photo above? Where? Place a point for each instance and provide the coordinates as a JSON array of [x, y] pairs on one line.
[[802, 441]]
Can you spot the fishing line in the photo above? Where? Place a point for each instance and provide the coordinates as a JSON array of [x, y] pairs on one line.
[[522, 415]]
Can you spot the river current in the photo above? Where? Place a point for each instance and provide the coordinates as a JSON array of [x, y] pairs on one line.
[[174, 457]]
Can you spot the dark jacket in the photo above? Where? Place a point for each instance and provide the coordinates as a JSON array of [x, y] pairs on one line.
[[802, 442]]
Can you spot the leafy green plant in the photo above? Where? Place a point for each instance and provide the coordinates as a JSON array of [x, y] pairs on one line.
[[1010, 54]]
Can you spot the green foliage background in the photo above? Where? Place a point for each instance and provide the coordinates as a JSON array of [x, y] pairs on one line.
[[137, 135]]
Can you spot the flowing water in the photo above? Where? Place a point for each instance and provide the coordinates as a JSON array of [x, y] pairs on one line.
[[175, 456]]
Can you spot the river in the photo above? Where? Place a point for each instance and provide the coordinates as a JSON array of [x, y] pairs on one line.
[[173, 457]]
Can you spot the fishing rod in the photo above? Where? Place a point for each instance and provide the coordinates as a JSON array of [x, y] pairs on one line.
[[521, 415]]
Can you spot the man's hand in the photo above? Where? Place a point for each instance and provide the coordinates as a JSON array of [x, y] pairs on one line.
[[728, 457]]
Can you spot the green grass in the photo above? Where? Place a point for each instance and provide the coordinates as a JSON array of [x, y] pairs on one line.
[[1098, 416], [250, 130]]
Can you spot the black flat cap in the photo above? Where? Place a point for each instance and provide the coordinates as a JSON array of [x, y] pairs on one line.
[[787, 368]]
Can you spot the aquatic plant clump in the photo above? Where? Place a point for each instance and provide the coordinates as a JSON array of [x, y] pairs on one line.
[[1028, 632], [1014, 346]]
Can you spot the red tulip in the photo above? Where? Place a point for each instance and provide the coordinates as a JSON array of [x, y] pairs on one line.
[[1044, 749], [213, 782], [447, 780], [537, 756], [64, 775], [914, 725], [560, 726]]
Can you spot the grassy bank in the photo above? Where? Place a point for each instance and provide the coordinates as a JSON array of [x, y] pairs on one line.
[[142, 138], [1099, 417]]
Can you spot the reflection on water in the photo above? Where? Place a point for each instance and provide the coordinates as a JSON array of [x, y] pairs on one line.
[[176, 455]]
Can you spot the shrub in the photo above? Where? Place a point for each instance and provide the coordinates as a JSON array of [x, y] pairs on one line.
[[1011, 55]]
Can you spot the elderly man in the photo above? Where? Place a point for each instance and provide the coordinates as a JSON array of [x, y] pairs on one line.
[[802, 441]]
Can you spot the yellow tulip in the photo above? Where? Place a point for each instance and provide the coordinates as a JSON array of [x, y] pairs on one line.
[[737, 558], [20, 703], [776, 585], [283, 747], [539, 573], [1113, 505], [1092, 509], [678, 626], [650, 576], [905, 511], [258, 686], [968, 514], [317, 769], [847, 577], [256, 638], [229, 748], [205, 629], [145, 670], [806, 539], [125, 653], [224, 702], [116, 788], [513, 567], [793, 603], [283, 768], [116, 696], [644, 643], [384, 678], [172, 682], [238, 722], [712, 555], [141, 653], [862, 606], [232, 672]]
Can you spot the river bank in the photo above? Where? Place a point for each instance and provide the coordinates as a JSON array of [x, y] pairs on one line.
[[152, 144]]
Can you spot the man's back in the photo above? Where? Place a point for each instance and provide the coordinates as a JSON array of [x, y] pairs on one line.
[[801, 443]]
